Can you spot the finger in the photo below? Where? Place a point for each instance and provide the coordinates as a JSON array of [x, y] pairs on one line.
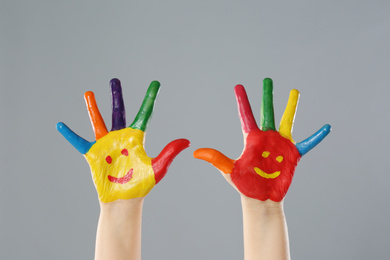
[[287, 122], [216, 158], [144, 115], [267, 121], [118, 107], [78, 142], [248, 122], [162, 162], [308, 144], [97, 122]]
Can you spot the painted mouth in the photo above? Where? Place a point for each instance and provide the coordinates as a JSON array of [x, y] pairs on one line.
[[267, 175], [122, 180]]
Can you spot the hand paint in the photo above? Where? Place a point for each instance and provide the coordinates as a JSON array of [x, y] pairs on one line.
[[267, 164], [119, 164]]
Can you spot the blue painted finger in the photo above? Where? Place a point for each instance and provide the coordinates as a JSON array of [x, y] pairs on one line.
[[78, 142], [309, 143]]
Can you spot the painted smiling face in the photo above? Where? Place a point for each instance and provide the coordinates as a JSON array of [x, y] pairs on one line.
[[119, 165], [266, 166], [268, 161]]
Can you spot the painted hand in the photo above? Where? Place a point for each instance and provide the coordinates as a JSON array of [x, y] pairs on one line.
[[119, 165], [266, 166]]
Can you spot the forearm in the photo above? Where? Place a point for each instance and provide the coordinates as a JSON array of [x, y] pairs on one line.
[[119, 230], [265, 230]]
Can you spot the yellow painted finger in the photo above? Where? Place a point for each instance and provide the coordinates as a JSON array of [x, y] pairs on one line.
[[287, 122]]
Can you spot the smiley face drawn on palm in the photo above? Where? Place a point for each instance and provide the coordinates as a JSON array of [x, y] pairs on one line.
[[120, 167], [266, 166], [119, 164]]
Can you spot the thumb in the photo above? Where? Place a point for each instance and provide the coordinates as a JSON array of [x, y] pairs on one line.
[[161, 163], [216, 158]]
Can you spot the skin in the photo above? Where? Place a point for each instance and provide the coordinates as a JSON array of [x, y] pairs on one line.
[[122, 172], [264, 171], [119, 230]]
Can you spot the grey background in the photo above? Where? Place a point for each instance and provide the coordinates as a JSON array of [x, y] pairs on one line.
[[335, 52]]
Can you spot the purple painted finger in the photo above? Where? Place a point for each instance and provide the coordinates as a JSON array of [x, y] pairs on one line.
[[118, 107]]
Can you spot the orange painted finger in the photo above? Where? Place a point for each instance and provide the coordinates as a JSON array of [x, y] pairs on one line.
[[97, 122], [216, 158]]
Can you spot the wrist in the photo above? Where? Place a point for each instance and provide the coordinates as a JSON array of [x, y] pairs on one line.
[[119, 230], [267, 207], [122, 206]]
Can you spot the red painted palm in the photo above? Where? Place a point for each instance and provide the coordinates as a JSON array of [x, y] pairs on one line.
[[266, 166]]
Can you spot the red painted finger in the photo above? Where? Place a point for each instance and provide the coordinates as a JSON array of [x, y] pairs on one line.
[[162, 162], [216, 158], [248, 122]]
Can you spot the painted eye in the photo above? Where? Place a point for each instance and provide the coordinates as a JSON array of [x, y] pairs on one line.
[[109, 159], [279, 158], [125, 152], [265, 154]]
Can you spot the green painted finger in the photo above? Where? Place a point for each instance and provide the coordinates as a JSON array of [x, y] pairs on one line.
[[267, 121], [144, 115]]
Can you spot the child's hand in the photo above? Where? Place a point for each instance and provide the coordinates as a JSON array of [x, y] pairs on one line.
[[119, 164], [266, 166]]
